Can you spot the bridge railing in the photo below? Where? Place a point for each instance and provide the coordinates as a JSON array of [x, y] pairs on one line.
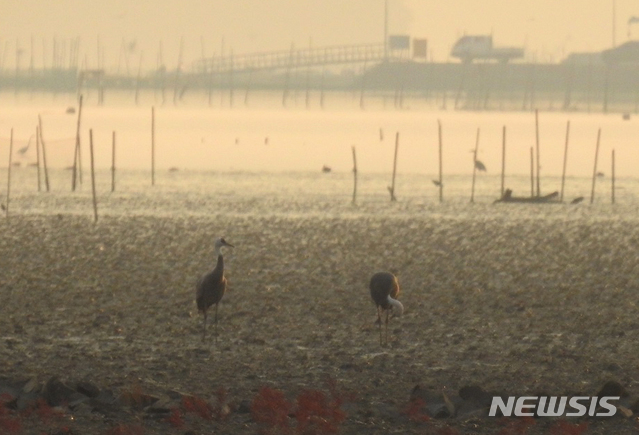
[[293, 58]]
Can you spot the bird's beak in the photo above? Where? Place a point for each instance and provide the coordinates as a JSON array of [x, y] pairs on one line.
[[229, 245]]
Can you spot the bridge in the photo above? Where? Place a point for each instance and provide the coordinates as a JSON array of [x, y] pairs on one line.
[[298, 58]]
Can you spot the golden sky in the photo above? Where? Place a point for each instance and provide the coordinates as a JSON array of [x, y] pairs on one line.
[[549, 29]]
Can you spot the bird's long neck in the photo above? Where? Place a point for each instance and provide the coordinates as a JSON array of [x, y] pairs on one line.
[[396, 304], [220, 262]]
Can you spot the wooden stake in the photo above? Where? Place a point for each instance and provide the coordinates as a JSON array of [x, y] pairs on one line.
[[113, 164], [537, 143], [472, 190], [44, 154], [153, 146], [441, 180], [532, 173], [76, 152], [9, 174], [391, 188], [95, 201], [38, 157], [613, 176], [354, 176], [594, 171], [503, 161], [563, 174]]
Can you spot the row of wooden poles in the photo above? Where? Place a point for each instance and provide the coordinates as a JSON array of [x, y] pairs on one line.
[[534, 175], [534, 168], [77, 161]]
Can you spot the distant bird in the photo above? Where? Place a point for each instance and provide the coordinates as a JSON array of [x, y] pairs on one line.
[[384, 289], [22, 151], [266, 140], [437, 183], [480, 166], [2, 206], [212, 286], [600, 174], [381, 135], [326, 169], [577, 200]]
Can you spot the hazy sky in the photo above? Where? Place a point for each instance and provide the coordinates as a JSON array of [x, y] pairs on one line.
[[549, 29]]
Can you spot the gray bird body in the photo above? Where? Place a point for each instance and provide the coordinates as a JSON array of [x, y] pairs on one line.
[[212, 286]]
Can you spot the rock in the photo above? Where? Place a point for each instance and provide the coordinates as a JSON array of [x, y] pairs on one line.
[[137, 400], [27, 401], [56, 393], [244, 407], [87, 388], [105, 403], [612, 388]]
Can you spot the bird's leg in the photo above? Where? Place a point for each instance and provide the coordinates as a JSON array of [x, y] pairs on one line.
[[386, 338], [379, 324], [204, 327], [216, 322]]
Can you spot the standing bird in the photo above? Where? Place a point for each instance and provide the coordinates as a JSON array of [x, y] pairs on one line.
[[212, 286], [384, 290]]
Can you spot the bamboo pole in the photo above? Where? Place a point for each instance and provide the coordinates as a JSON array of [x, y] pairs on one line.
[[472, 189], [363, 87], [503, 161], [231, 81], [113, 164], [594, 171], [532, 173], [211, 83], [289, 66], [441, 180], [322, 89], [38, 158], [537, 149], [176, 85], [391, 188], [354, 176], [44, 154], [137, 81], [563, 174], [6, 210], [95, 202], [76, 152], [248, 88], [153, 146], [613, 176]]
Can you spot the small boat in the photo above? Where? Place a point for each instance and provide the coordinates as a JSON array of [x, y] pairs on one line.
[[551, 198]]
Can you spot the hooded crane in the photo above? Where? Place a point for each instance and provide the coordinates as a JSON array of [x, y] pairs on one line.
[[212, 286], [384, 289]]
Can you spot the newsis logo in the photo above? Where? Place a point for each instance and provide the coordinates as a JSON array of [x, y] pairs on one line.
[[554, 406]]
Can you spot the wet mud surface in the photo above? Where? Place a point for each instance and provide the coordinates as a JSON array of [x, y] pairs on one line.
[[518, 307]]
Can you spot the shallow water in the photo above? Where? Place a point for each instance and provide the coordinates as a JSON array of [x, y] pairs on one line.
[[266, 137], [197, 193]]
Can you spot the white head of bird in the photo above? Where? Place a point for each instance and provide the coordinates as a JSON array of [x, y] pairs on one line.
[[219, 244]]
